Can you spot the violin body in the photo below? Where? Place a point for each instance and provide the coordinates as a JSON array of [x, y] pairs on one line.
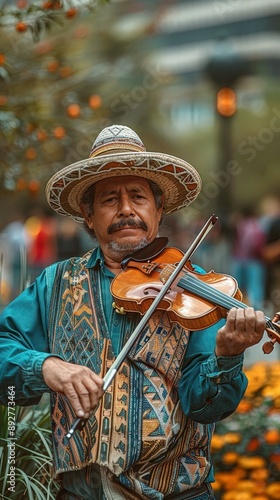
[[135, 289]]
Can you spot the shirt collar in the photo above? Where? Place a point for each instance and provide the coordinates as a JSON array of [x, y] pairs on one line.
[[95, 258]]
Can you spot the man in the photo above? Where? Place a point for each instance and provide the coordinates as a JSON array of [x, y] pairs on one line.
[[148, 436]]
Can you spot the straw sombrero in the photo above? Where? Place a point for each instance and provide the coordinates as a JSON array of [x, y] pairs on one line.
[[118, 151]]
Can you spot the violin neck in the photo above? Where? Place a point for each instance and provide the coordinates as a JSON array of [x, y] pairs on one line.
[[194, 285]]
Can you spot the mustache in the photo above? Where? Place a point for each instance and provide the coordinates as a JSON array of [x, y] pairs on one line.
[[127, 222]]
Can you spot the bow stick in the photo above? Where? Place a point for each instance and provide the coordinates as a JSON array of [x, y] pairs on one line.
[[80, 422]]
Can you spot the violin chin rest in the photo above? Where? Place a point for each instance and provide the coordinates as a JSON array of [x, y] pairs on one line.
[[148, 252]]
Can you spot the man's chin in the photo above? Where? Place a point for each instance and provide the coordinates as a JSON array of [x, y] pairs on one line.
[[126, 247]]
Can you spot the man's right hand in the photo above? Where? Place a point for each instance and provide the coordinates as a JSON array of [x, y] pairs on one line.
[[82, 387]]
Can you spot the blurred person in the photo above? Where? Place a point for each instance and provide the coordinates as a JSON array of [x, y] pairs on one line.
[[42, 229], [149, 435], [213, 252], [247, 262], [14, 245], [69, 242], [271, 254]]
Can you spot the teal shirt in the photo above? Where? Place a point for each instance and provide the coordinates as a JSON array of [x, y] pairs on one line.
[[210, 387]]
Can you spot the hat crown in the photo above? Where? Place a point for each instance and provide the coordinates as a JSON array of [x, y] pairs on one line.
[[116, 137]]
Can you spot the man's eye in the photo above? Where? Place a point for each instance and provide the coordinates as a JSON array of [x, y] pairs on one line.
[[110, 200]]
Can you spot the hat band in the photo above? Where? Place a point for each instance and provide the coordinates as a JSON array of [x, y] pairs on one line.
[[103, 150]]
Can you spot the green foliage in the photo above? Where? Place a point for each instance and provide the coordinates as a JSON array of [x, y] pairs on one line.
[[29, 451]]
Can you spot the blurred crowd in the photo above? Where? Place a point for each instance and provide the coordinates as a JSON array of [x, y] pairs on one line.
[[245, 246], [29, 244]]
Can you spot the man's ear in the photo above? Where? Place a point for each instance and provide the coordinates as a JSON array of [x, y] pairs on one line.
[[161, 210], [86, 215]]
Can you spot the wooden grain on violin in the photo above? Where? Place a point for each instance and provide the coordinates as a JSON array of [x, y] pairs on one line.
[[135, 288]]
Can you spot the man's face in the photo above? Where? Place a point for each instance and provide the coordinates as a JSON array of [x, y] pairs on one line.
[[125, 216]]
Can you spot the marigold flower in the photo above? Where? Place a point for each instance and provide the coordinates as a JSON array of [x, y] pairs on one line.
[[251, 462], [273, 490]]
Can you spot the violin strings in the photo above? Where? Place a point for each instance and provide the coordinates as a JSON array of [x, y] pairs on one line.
[[204, 290]]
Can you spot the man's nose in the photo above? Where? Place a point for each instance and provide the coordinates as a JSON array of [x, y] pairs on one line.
[[125, 206]]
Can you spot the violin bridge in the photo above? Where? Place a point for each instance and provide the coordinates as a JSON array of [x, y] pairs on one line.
[[119, 310], [144, 267]]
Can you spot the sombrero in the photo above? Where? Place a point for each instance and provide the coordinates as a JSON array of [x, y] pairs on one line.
[[118, 151]]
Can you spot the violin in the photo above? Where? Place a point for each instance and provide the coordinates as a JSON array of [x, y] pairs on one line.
[[195, 301], [157, 277]]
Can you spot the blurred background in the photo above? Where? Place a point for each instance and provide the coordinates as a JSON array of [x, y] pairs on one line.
[[196, 79]]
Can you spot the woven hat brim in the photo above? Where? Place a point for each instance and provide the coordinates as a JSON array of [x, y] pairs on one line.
[[179, 181]]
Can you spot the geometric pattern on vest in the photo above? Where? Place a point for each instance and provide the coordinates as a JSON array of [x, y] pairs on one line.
[[139, 421]]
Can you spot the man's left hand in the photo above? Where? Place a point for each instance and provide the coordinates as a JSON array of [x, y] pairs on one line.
[[244, 328]]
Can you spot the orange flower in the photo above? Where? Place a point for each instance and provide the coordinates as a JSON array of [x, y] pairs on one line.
[[216, 486], [275, 457], [232, 438], [272, 436], [230, 457], [271, 391], [229, 495], [260, 487], [246, 485], [227, 479], [237, 495], [259, 474], [273, 490], [244, 406], [251, 462], [217, 442], [253, 444]]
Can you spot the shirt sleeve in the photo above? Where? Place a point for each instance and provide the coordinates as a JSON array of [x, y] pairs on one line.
[[211, 387], [24, 345]]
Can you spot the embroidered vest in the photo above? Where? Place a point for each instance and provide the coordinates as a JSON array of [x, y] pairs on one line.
[[139, 433]]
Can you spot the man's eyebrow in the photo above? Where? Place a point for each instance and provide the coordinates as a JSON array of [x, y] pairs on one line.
[[108, 192]]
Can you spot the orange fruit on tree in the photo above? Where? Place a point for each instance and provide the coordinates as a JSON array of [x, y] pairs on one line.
[[52, 66], [21, 26], [95, 101], [33, 186], [71, 12], [3, 100], [21, 4], [30, 153], [65, 71], [74, 110], [41, 135], [21, 184], [59, 132]]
